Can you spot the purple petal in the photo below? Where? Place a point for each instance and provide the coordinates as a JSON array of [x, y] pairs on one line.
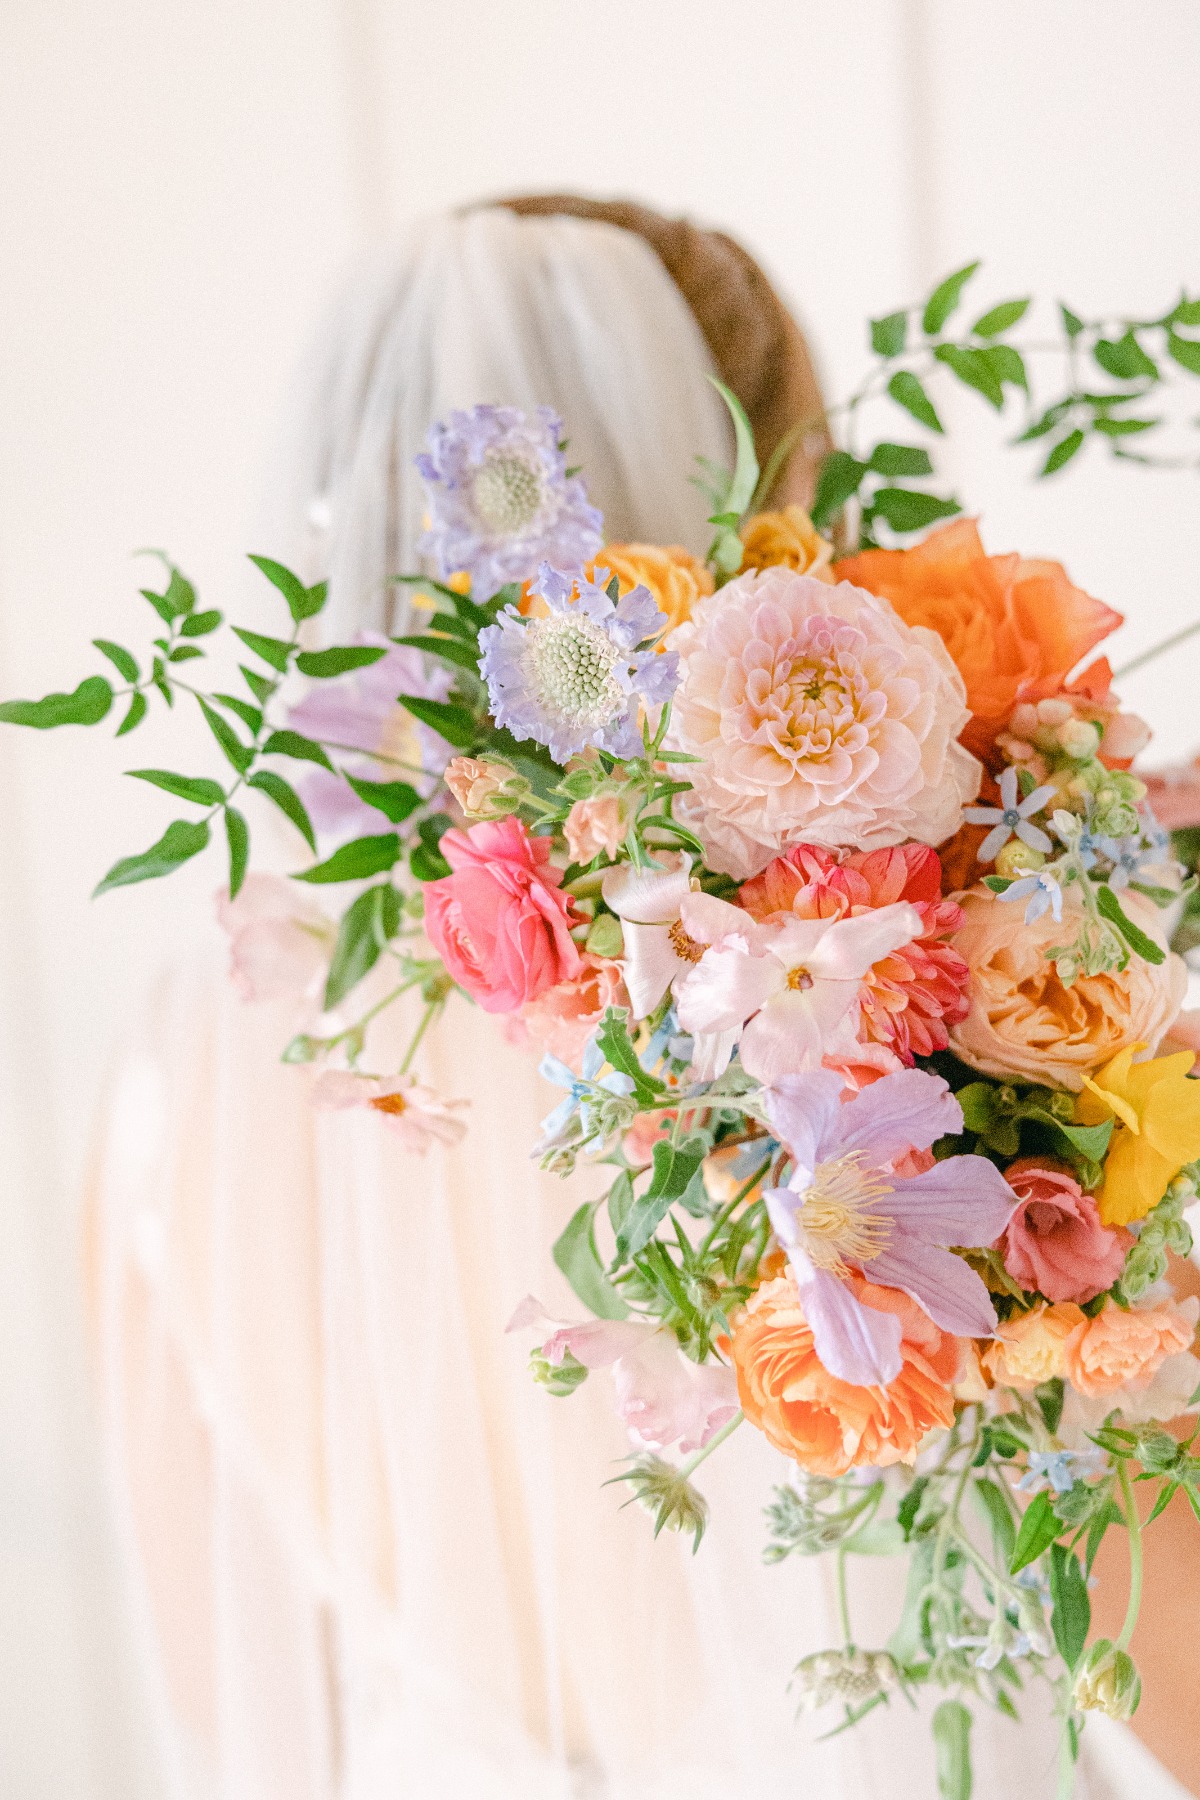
[[906, 1111], [801, 1108], [942, 1284], [964, 1200], [854, 1342]]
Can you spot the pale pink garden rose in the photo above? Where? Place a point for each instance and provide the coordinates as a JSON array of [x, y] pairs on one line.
[[416, 1115], [819, 717], [594, 825], [279, 940], [662, 1396], [564, 1018]]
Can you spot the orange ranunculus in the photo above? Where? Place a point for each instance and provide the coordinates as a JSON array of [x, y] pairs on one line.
[[675, 577], [1029, 1348], [788, 538], [1120, 1350], [1015, 629], [827, 1425]]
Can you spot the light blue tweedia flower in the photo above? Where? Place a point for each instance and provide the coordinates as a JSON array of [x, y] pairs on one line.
[[1011, 816], [1133, 859], [501, 499], [584, 1094], [1061, 1469], [576, 678], [1041, 890]]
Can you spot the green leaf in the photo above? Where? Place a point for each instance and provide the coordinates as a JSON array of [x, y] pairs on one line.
[[674, 1167], [888, 335], [1039, 1528], [239, 754], [1187, 312], [907, 392], [613, 1038], [1047, 422], [237, 835], [1124, 427], [179, 842], [1000, 318], [1072, 323], [185, 653], [338, 660], [198, 789], [1186, 352], [366, 925], [1062, 452], [996, 1510], [944, 298], [180, 596], [425, 859], [1071, 1618], [974, 369], [251, 716], [464, 609], [907, 510], [122, 661], [303, 749], [303, 603], [745, 470], [620, 1199], [454, 723], [1008, 366], [158, 602], [86, 706], [910, 1506], [900, 459], [356, 860], [272, 650], [1125, 359], [575, 1254], [1109, 907], [839, 477], [135, 715], [1090, 1140], [287, 800], [978, 1102], [1050, 1396], [952, 1740], [261, 686], [200, 624], [450, 649], [394, 799]]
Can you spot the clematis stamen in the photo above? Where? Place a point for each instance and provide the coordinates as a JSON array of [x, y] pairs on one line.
[[837, 1218]]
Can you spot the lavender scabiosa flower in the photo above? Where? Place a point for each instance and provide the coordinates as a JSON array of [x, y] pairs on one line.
[[575, 677], [501, 499]]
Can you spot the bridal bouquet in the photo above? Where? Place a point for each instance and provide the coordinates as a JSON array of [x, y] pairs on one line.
[[817, 876]]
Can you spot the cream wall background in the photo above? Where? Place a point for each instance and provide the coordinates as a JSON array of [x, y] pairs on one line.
[[180, 188]]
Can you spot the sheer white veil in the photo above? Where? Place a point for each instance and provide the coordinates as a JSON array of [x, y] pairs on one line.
[[489, 306]]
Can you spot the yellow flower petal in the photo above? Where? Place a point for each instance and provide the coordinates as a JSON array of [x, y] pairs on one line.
[[1171, 1118], [1096, 1104], [1135, 1179]]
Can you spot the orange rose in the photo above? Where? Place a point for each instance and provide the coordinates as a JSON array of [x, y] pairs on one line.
[[827, 1425], [564, 1018], [1118, 1350], [1015, 629], [1029, 1348], [675, 577], [789, 538]]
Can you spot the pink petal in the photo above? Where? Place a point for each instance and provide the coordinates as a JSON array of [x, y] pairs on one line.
[[801, 1109], [794, 1029], [854, 1342], [647, 896], [851, 946], [665, 1398], [724, 988], [906, 1111], [650, 965], [941, 1284], [708, 920], [964, 1200]]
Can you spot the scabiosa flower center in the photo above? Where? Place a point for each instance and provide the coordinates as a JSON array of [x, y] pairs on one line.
[[837, 1217], [507, 493], [571, 662]]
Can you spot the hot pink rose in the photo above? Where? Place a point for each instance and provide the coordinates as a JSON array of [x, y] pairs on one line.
[[500, 922], [1054, 1242]]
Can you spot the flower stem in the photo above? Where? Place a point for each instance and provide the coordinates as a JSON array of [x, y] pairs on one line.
[[843, 1599], [433, 1007], [1156, 650], [693, 1462], [1135, 1557]]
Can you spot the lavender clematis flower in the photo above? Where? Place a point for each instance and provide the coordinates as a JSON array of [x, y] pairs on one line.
[[845, 1207], [501, 499], [1041, 890], [1011, 816], [577, 678]]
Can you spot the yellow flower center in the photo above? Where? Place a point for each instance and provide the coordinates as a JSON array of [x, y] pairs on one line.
[[798, 979], [686, 948], [394, 1104], [837, 1219]]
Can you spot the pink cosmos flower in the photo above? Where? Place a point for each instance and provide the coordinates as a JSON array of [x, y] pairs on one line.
[[279, 940], [564, 1018], [848, 1207], [500, 922], [819, 716], [662, 1396], [1054, 1243], [417, 1115]]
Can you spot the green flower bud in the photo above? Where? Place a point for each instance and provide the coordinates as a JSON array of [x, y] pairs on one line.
[[1157, 1450], [605, 937], [1108, 1682], [850, 1676], [559, 1379]]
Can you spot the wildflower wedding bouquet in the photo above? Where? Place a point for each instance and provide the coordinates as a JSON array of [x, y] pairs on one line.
[[817, 874]]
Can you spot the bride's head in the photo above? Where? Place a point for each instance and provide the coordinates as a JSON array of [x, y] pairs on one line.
[[614, 319]]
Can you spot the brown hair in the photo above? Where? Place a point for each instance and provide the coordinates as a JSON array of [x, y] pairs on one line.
[[756, 344]]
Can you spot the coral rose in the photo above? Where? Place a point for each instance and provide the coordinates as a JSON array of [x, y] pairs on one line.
[[564, 1017], [789, 540], [1120, 1350], [818, 717], [1054, 1244], [825, 1424], [500, 922], [1015, 629], [676, 579], [908, 999], [1024, 1025], [1029, 1348]]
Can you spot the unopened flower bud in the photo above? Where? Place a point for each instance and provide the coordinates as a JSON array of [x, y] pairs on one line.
[[595, 824], [1079, 739], [1108, 1682], [850, 1676], [485, 789], [1157, 1450], [605, 937], [1017, 859], [559, 1379]]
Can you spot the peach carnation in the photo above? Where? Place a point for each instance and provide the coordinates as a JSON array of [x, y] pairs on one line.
[[676, 579], [1028, 1349], [1015, 628], [1120, 1350], [563, 1018], [909, 998], [818, 716], [789, 540], [1024, 1025], [825, 1424]]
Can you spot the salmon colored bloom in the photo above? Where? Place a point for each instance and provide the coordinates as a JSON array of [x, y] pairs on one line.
[[786, 539], [563, 1018], [907, 999], [595, 824], [676, 579], [1015, 629], [1157, 1112], [1029, 1348], [1054, 1242], [1120, 1350], [827, 1425]]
